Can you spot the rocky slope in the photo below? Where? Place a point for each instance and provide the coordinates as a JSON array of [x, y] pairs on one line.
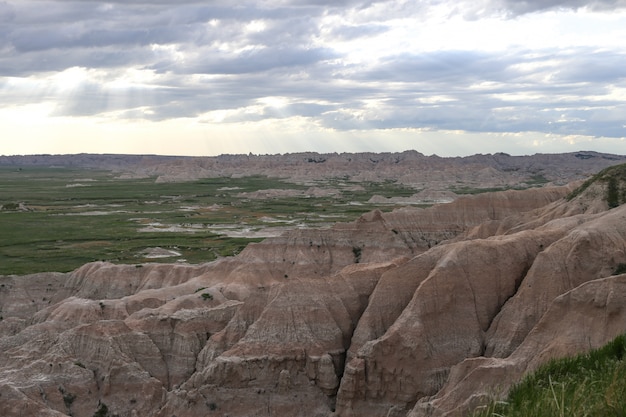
[[416, 312]]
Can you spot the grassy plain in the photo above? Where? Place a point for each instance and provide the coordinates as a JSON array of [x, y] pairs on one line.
[[56, 219]]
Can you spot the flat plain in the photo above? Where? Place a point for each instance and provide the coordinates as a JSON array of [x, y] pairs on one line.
[[57, 219]]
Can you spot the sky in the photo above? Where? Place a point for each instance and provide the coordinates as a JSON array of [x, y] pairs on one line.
[[191, 77]]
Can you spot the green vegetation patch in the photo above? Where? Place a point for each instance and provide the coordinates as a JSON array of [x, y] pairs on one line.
[[57, 219], [102, 411], [535, 180], [614, 181], [465, 190], [620, 269], [591, 384]]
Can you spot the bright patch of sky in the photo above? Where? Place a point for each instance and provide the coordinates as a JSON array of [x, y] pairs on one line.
[[276, 76]]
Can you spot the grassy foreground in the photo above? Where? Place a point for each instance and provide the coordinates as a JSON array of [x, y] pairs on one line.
[[587, 385]]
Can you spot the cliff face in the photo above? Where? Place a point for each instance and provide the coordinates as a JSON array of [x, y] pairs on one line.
[[408, 313]]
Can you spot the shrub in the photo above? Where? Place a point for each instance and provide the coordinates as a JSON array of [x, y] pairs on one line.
[[357, 251], [620, 269], [102, 411], [10, 206], [612, 193], [68, 398]]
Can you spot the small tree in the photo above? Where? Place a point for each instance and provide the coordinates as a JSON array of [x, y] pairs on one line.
[[357, 251], [102, 411], [612, 193]]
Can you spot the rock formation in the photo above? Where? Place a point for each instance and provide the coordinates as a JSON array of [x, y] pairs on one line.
[[430, 173], [414, 312]]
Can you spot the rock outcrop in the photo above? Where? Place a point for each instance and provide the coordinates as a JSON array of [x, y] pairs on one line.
[[415, 312]]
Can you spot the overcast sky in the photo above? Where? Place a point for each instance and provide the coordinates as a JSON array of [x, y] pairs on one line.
[[185, 77]]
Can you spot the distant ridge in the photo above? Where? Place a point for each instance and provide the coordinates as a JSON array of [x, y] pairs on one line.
[[409, 167]]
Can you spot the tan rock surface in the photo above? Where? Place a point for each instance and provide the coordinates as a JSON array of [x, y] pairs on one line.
[[444, 323], [586, 317]]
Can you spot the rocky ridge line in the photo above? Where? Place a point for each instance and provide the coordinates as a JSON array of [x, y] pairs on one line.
[[409, 167]]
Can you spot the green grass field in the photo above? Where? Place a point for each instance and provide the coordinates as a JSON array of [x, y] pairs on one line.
[[587, 385], [57, 219]]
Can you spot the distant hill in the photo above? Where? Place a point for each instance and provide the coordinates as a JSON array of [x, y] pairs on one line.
[[409, 167]]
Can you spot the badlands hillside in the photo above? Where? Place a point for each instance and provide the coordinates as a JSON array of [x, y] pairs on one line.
[[409, 167], [414, 312]]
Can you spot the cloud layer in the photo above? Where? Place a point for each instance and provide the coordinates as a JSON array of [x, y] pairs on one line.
[[474, 66]]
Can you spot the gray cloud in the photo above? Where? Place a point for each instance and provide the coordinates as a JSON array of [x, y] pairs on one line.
[[512, 8], [210, 55], [259, 61], [359, 31], [7, 12], [517, 7], [572, 100], [439, 66]]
